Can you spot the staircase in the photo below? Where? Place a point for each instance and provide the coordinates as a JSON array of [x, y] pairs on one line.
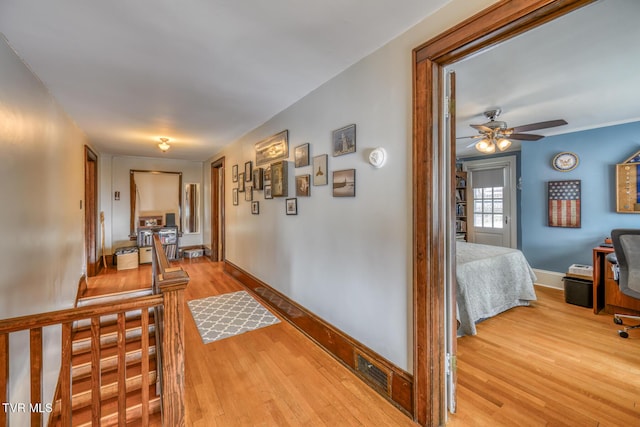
[[120, 355], [81, 364]]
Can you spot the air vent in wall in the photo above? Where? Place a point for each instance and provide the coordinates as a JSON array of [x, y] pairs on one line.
[[373, 373]]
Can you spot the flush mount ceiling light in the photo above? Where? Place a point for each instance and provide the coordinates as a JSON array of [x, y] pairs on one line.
[[163, 145]]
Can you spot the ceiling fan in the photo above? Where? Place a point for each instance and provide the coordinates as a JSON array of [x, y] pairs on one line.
[[495, 133]]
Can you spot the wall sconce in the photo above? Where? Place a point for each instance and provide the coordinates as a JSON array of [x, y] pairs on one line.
[[163, 145]]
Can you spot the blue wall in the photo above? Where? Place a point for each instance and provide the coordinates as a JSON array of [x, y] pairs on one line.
[[599, 150]]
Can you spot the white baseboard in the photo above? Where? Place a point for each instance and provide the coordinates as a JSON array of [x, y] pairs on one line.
[[550, 279]]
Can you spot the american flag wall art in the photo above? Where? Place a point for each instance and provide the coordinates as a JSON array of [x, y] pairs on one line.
[[564, 203]]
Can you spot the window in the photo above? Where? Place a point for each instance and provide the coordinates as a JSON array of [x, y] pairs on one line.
[[488, 205]]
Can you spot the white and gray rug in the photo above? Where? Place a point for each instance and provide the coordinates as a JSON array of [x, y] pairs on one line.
[[226, 315]]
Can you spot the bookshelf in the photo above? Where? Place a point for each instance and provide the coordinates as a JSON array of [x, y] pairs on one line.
[[168, 238], [461, 204]]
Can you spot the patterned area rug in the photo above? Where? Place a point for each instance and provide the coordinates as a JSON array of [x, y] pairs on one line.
[[226, 315]]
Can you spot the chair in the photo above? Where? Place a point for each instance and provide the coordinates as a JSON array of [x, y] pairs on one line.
[[626, 264]]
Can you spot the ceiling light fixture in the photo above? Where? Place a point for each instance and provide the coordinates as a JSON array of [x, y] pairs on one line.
[[163, 145], [495, 140]]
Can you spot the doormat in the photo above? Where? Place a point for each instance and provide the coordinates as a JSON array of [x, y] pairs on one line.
[[226, 315]]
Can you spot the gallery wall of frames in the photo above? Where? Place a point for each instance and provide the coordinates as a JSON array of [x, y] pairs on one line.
[[266, 176]]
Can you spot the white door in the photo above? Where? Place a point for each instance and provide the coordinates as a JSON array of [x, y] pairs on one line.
[[492, 201]]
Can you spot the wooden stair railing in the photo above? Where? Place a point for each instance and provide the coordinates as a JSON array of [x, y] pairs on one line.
[[168, 301]]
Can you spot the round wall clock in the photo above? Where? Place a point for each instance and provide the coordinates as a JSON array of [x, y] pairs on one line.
[[565, 161]]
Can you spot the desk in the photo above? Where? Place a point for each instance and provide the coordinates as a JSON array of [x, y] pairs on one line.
[[599, 255], [606, 294]]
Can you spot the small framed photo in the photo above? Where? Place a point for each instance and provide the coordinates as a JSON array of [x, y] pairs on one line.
[[247, 171], [255, 208], [301, 153], [248, 195], [267, 192], [241, 182], [344, 183], [279, 178], [292, 206], [320, 176], [234, 173], [235, 197], [344, 140], [266, 176], [257, 178], [302, 185]]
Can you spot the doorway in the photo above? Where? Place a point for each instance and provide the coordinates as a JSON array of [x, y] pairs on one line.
[[492, 201], [217, 210], [491, 26], [91, 211]]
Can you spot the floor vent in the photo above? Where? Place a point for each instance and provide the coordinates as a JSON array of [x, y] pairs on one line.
[[377, 376]]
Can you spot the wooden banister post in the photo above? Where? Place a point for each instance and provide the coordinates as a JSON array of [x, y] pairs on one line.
[[173, 353]]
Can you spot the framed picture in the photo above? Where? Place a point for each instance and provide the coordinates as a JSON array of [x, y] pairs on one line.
[[248, 195], [564, 203], [235, 197], [267, 192], [279, 174], [257, 178], [266, 176], [247, 171], [255, 208], [302, 185], [241, 182], [344, 140], [627, 181], [344, 183], [320, 170], [301, 154], [292, 206], [234, 173], [275, 147]]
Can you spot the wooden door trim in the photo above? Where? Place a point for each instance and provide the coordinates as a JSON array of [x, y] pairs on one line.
[[217, 211], [91, 212], [493, 25]]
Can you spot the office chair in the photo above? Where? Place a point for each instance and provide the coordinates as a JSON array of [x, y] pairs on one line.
[[626, 264]]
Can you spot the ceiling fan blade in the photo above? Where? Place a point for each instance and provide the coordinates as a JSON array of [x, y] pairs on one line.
[[541, 125], [469, 137], [481, 128], [525, 137]]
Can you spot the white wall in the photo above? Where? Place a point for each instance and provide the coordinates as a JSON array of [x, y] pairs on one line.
[[41, 222], [348, 260], [114, 176]]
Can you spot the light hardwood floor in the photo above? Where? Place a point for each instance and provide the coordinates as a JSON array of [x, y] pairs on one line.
[[274, 376], [552, 364]]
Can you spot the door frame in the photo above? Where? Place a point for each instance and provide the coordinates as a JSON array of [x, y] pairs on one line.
[[501, 21], [511, 163], [91, 212], [217, 210]]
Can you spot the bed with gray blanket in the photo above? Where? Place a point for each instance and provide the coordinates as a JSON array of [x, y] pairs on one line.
[[490, 280]]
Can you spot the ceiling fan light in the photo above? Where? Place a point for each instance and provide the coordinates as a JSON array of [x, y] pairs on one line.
[[503, 144], [483, 145], [486, 146]]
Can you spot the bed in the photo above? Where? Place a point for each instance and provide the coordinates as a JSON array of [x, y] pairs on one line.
[[490, 280]]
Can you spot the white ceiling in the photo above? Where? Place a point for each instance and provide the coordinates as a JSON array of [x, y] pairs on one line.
[[200, 72], [583, 67]]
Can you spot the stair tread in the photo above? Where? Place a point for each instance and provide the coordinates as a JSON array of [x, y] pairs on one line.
[[109, 327], [110, 351], [109, 410], [111, 377]]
